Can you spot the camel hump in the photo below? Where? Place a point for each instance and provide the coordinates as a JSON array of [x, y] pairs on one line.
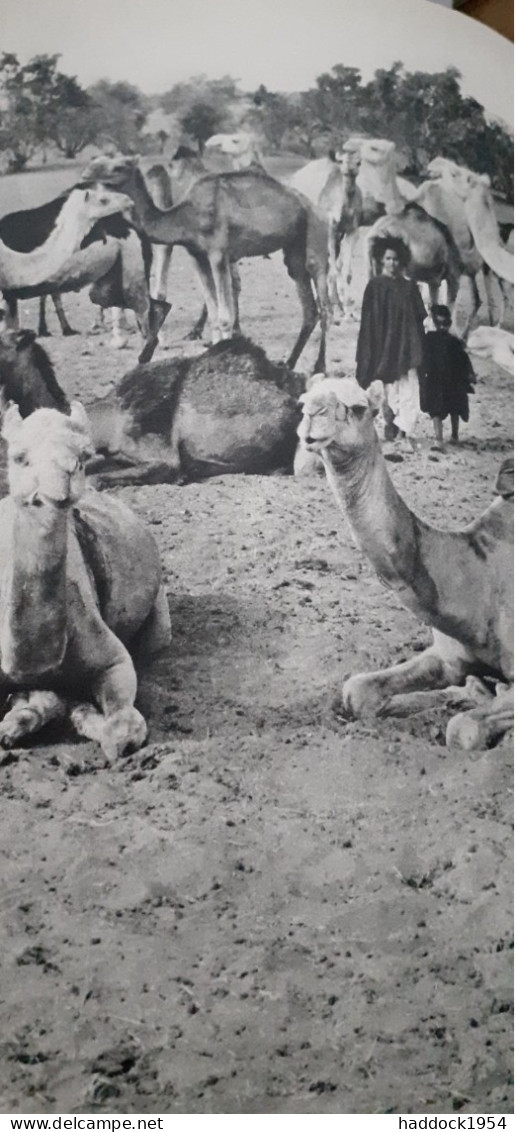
[[504, 485]]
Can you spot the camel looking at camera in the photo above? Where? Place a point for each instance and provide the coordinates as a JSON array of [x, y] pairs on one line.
[[459, 582], [79, 213], [226, 217], [80, 582]]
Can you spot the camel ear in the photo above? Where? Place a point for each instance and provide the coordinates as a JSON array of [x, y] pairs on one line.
[[11, 422], [87, 195], [25, 338], [314, 380], [79, 417]]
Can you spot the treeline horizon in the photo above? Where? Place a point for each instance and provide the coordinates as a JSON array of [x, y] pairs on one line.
[[424, 113]]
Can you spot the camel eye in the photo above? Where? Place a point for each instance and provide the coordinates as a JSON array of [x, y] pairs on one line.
[[20, 458]]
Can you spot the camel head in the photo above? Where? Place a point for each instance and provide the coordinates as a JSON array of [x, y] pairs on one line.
[[96, 201], [46, 456], [115, 171], [240, 147], [456, 177], [26, 374], [337, 417]]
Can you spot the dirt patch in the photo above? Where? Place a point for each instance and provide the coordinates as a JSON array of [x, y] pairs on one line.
[[263, 911]]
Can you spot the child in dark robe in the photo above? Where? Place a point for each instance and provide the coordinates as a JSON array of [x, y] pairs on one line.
[[447, 377]]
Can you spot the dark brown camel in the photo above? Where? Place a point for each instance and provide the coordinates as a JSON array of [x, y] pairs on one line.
[[228, 216], [114, 258], [229, 410]]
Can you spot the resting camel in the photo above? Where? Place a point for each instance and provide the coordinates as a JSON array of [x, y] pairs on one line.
[[459, 582], [80, 582], [78, 214], [495, 343], [331, 186], [226, 217], [113, 257], [230, 410]]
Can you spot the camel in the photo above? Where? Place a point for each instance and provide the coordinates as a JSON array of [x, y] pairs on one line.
[[80, 582], [331, 186], [495, 343], [113, 257], [226, 217], [177, 420], [459, 582], [158, 184], [78, 214], [462, 200], [241, 147]]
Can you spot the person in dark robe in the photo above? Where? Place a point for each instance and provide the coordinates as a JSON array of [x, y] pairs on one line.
[[447, 377], [391, 338]]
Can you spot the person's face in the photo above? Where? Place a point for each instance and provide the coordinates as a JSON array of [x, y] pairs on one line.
[[390, 263], [441, 323]]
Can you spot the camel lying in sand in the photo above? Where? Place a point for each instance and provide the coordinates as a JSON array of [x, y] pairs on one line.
[[459, 582], [229, 410], [80, 581]]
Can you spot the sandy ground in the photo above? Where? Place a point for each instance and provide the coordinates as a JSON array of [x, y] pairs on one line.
[[263, 911]]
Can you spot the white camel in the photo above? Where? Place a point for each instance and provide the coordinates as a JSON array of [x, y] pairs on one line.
[[241, 147], [331, 186], [495, 343], [80, 582], [78, 215], [459, 582]]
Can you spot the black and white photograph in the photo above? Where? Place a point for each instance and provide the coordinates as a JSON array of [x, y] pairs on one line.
[[256, 557]]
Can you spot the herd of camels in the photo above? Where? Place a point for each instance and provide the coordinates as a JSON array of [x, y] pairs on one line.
[[78, 552]]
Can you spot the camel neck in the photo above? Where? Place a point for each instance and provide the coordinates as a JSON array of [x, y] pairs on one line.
[[162, 226], [382, 523], [29, 269], [33, 627]]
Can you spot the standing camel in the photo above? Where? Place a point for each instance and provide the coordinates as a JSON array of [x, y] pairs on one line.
[[459, 582], [226, 217], [331, 186], [79, 213], [112, 257]]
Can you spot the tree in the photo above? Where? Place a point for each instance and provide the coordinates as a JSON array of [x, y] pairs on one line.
[[121, 111], [201, 121], [41, 105]]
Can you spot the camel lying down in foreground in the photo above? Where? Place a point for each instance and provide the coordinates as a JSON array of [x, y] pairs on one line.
[[459, 582], [80, 582], [228, 410]]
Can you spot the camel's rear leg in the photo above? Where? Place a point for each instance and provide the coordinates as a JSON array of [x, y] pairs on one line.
[[119, 728], [66, 330], [445, 662], [29, 712], [156, 634], [481, 727], [301, 277]]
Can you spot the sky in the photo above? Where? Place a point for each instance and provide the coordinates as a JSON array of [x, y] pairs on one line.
[[284, 44]]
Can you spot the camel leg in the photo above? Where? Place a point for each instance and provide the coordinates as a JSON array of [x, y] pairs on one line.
[[119, 728], [333, 290], [303, 283], [12, 314], [118, 338], [66, 329], [161, 257], [29, 712], [207, 284], [197, 329], [156, 634], [99, 323], [43, 331], [236, 287], [221, 271], [481, 727], [445, 662], [348, 250]]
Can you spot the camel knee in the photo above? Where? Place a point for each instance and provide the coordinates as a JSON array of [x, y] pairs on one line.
[[363, 695], [482, 727]]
